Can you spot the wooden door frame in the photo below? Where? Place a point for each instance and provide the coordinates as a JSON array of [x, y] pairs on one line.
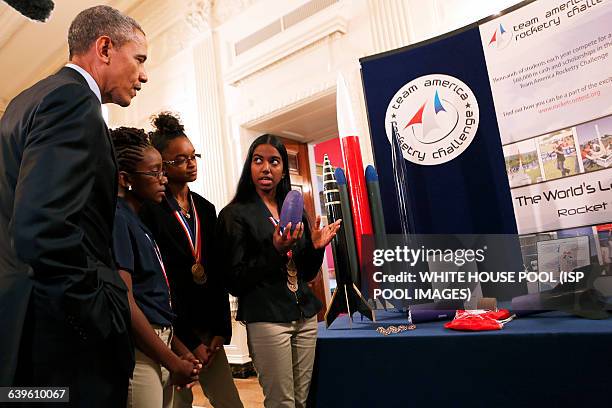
[[300, 150]]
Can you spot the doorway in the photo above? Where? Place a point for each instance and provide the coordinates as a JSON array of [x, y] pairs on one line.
[[301, 180], [300, 127]]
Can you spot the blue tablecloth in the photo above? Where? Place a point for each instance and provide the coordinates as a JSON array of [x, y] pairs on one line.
[[547, 360]]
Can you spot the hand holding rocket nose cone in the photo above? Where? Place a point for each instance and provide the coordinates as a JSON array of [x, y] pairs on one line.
[[322, 236], [283, 241]]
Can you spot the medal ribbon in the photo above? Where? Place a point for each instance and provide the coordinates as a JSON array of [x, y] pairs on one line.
[[289, 256], [276, 222], [161, 263], [196, 249]]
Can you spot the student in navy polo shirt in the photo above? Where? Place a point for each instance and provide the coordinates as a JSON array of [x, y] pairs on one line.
[[140, 265]]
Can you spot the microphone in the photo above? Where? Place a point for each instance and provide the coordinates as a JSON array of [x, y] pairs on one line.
[[39, 10]]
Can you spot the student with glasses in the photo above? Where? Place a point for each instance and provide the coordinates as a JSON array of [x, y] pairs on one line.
[[184, 227], [140, 265]]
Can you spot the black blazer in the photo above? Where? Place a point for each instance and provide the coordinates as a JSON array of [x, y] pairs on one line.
[[58, 189], [200, 309], [257, 274]]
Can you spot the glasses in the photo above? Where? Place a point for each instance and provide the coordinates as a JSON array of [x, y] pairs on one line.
[[182, 160], [157, 174]]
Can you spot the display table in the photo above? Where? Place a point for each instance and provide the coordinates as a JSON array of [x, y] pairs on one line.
[[547, 360]]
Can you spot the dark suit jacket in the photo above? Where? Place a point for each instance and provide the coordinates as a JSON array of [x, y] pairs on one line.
[[58, 189], [257, 274], [199, 308]]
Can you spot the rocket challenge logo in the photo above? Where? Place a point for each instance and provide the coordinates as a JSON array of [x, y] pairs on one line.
[[440, 120], [433, 119], [500, 38]]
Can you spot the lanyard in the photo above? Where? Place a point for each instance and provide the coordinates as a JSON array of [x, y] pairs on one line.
[[161, 263]]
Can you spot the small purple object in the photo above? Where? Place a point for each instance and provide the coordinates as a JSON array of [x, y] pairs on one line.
[[292, 211], [422, 316]]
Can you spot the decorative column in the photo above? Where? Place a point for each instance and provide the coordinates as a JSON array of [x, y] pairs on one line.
[[390, 24], [216, 147], [209, 106]]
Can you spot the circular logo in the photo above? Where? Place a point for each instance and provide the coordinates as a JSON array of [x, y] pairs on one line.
[[432, 119]]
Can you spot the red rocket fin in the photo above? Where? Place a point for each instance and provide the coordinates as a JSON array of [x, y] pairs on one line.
[[418, 117]]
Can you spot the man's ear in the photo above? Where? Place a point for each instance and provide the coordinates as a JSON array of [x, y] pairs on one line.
[[103, 46]]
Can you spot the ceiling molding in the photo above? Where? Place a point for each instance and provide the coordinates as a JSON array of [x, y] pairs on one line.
[[11, 22], [226, 9], [254, 118], [283, 46], [157, 16]]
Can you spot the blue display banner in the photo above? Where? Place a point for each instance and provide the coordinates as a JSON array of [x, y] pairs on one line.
[[437, 97]]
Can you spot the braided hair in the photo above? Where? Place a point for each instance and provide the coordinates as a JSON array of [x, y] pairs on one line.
[[130, 144], [167, 127]]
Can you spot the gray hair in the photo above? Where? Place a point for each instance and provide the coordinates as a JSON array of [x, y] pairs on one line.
[[97, 21]]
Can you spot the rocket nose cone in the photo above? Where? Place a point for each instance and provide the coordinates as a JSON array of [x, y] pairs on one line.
[[340, 177], [347, 125], [370, 174]]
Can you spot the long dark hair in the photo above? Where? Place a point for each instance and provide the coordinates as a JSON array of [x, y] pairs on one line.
[[245, 191]]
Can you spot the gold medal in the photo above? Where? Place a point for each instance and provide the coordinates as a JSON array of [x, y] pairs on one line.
[[292, 281], [197, 271]]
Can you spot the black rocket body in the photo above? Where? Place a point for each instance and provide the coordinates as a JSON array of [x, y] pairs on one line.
[[346, 298]]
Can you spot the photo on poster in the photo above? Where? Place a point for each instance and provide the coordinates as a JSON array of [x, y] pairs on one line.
[[558, 154], [604, 238], [595, 140], [582, 232], [562, 255], [522, 164], [529, 251]]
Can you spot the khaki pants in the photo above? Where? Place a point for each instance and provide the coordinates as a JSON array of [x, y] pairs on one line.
[[283, 355], [150, 386], [217, 383]]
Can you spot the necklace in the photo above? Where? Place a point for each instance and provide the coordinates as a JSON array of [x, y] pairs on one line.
[[185, 211]]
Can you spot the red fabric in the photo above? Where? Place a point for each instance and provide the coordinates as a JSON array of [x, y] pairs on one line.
[[478, 320]]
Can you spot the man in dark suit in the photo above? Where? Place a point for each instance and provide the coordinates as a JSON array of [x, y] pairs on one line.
[[64, 312]]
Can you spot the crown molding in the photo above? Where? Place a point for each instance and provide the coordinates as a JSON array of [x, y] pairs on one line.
[[263, 112], [285, 45], [11, 22]]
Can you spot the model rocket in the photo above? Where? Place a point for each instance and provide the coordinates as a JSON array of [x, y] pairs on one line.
[[401, 180], [353, 164], [346, 298], [347, 221], [378, 219]]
